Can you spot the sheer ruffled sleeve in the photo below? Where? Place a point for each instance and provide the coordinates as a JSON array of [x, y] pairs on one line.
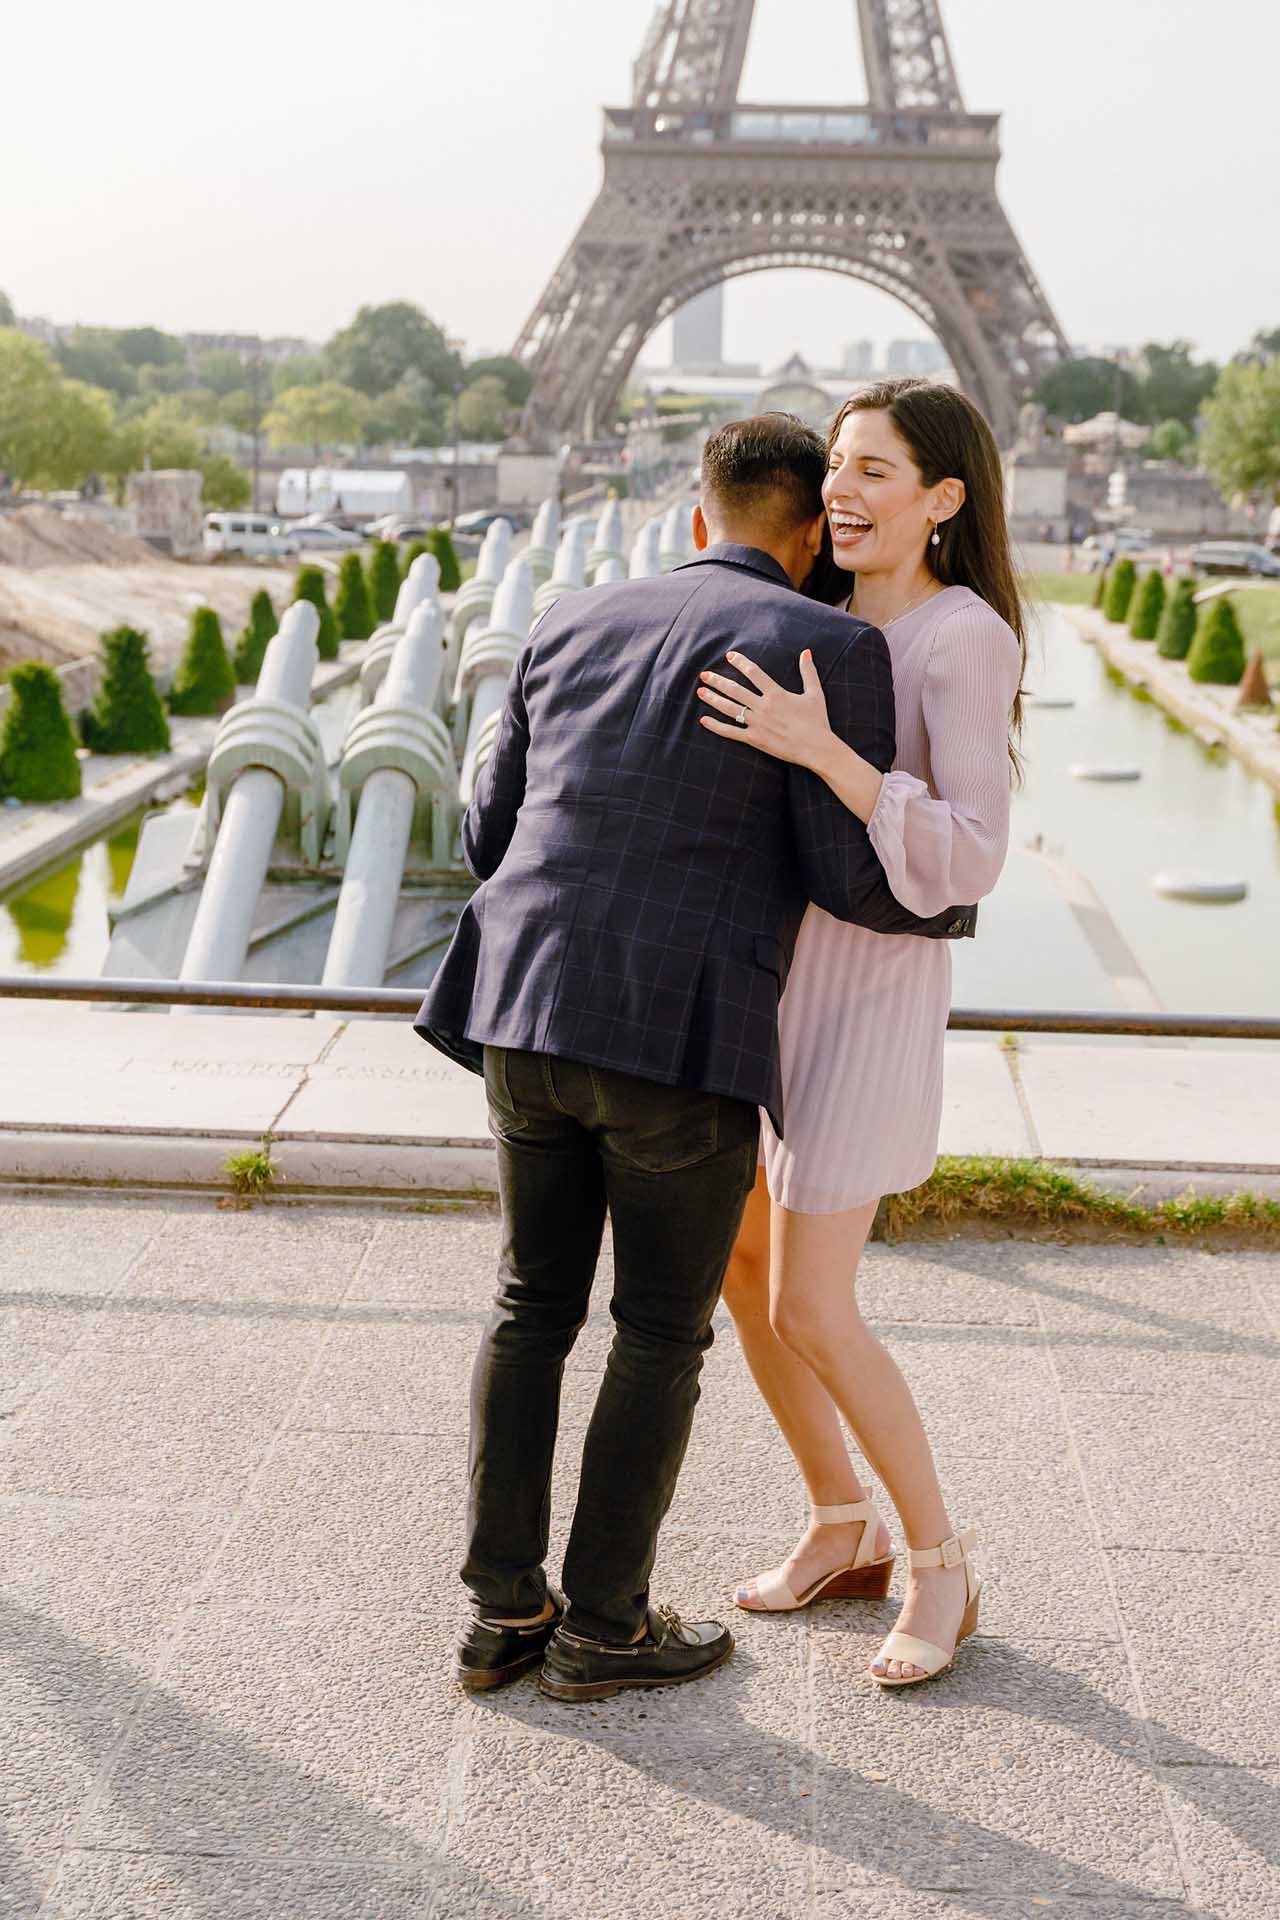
[[947, 848]]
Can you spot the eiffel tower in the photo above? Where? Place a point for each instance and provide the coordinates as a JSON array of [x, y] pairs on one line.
[[700, 187]]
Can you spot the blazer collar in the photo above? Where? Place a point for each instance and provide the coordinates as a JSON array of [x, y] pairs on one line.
[[731, 555]]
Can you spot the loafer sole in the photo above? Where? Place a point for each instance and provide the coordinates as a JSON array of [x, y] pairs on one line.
[[571, 1690], [486, 1679]]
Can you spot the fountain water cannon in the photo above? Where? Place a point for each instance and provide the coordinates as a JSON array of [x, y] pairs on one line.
[[267, 753], [543, 540], [474, 598], [609, 537], [645, 561], [486, 667], [397, 770], [421, 587], [675, 538], [570, 574]]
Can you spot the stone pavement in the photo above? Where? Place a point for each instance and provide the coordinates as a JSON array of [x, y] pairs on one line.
[[231, 1448], [101, 1097]]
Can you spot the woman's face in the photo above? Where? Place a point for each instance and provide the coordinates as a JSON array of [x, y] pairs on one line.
[[879, 510]]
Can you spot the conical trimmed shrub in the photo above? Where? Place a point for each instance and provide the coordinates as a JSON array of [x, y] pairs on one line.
[[309, 585], [258, 633], [127, 716], [1121, 582], [1100, 588], [384, 578], [415, 552], [351, 607], [440, 542], [205, 681], [37, 744], [1178, 622], [1217, 652], [1146, 607]]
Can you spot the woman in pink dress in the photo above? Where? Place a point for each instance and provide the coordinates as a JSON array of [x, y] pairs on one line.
[[915, 502]]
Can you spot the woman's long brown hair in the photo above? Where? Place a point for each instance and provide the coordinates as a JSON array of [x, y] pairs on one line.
[[948, 440]]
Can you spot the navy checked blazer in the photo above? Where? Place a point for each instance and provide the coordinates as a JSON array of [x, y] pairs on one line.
[[643, 879]]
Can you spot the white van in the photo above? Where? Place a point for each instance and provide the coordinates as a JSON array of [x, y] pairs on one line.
[[252, 533]]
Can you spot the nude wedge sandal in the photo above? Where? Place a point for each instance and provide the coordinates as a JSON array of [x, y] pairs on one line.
[[923, 1653], [865, 1578]]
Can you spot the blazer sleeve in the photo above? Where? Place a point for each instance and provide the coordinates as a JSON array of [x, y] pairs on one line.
[[839, 867], [490, 820]]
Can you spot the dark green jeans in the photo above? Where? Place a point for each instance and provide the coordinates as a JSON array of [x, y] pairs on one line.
[[673, 1167]]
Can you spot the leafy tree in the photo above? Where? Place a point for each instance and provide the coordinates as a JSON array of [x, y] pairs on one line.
[[326, 415], [205, 681], [440, 543], [351, 608], [38, 760], [1120, 585], [1147, 606], [149, 347], [1171, 385], [1076, 390], [1178, 621], [384, 343], [257, 633], [416, 550], [309, 585], [483, 409], [1264, 346], [93, 354], [1100, 588], [1241, 443], [163, 433], [515, 377], [127, 716], [221, 370], [1172, 441], [299, 370], [384, 578], [226, 484], [1217, 652], [53, 432], [8, 318], [411, 413]]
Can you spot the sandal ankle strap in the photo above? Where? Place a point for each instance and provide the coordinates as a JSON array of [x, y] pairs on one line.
[[952, 1552], [841, 1516]]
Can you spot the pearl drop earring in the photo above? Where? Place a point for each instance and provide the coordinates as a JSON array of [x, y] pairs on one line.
[[937, 539]]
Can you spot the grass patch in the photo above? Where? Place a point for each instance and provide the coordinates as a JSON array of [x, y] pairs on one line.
[[1013, 1194], [252, 1172], [1067, 589], [1258, 612]]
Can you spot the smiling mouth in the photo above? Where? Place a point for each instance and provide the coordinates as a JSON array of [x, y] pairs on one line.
[[848, 527]]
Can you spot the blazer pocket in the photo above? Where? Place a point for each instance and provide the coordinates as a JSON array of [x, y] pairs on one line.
[[773, 957]]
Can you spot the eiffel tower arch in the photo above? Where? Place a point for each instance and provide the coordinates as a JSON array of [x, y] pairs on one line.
[[700, 187]]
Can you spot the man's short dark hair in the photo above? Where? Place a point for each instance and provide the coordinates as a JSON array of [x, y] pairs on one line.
[[770, 467]]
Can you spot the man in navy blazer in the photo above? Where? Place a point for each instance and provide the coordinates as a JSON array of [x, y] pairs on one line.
[[616, 977]]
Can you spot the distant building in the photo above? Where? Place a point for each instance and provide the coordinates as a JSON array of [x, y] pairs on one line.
[[921, 357], [249, 346], [697, 332], [858, 358], [795, 388]]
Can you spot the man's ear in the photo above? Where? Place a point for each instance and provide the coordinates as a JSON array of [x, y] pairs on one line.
[[814, 533], [701, 531]]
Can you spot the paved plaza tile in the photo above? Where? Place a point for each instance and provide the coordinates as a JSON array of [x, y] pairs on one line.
[[232, 1446]]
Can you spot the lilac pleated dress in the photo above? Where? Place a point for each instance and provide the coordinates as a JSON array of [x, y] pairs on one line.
[[864, 1014]]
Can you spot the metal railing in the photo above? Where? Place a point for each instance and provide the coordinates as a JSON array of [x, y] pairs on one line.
[[406, 1001]]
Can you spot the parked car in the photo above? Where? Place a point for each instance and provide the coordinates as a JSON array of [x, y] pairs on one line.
[[325, 538], [519, 519], [1120, 540], [1235, 556], [400, 530], [249, 533]]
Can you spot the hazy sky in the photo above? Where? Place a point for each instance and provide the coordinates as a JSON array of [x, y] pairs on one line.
[[219, 165]]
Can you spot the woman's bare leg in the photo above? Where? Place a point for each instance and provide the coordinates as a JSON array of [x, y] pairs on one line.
[[798, 1401], [814, 1312]]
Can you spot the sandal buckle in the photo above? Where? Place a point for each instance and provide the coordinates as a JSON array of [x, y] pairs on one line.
[[952, 1552]]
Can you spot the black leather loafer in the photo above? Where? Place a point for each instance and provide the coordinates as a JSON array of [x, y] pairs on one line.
[[672, 1652], [491, 1656]]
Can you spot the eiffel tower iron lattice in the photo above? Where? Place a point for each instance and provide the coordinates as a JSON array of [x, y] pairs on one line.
[[700, 187]]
